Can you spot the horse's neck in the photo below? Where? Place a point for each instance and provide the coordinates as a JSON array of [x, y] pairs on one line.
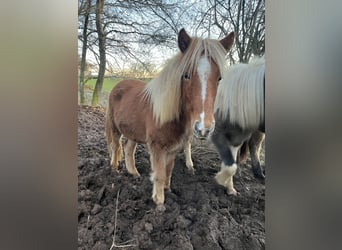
[[185, 116]]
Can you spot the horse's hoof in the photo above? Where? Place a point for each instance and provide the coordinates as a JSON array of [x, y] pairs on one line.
[[192, 171], [134, 173], [260, 177], [115, 171], [233, 192], [137, 175], [160, 208], [258, 173]]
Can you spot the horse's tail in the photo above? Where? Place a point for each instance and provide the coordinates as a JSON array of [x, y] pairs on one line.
[[108, 128], [113, 137]]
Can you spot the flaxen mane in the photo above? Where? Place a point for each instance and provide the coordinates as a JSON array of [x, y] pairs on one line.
[[164, 92], [240, 95]]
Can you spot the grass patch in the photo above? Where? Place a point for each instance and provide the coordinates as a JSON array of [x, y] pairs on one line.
[[108, 83]]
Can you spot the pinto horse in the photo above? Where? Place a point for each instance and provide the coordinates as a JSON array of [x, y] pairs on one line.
[[166, 111], [239, 114]]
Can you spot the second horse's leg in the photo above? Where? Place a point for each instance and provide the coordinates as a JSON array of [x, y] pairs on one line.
[[255, 147], [228, 154]]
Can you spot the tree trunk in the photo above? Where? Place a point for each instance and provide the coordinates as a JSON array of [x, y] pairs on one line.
[[84, 53], [102, 52]]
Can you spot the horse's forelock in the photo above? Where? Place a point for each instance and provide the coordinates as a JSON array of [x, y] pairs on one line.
[[164, 92]]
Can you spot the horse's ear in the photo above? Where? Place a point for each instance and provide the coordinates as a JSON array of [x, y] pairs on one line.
[[228, 41], [184, 40]]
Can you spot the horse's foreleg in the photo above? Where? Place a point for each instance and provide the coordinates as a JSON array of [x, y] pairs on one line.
[[129, 149], [170, 163], [228, 170], [255, 147], [158, 177], [225, 177], [228, 154], [188, 160]]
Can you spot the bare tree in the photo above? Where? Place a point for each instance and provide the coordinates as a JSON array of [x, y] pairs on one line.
[[102, 51], [84, 10], [134, 27], [125, 31], [117, 33], [245, 17]]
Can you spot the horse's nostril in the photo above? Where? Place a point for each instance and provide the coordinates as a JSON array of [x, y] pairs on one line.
[[207, 132], [201, 131], [197, 127], [212, 129]]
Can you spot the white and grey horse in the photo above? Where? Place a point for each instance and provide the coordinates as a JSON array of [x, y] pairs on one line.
[[239, 118]]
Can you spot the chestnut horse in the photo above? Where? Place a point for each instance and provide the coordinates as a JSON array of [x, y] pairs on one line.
[[166, 111], [239, 114]]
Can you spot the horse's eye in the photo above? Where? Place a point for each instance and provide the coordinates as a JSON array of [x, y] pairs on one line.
[[186, 76], [220, 78]]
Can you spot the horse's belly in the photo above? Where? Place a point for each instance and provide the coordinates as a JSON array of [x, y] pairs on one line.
[[177, 148], [129, 110], [137, 137], [135, 133]]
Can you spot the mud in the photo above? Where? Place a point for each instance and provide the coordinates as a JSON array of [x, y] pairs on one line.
[[199, 214]]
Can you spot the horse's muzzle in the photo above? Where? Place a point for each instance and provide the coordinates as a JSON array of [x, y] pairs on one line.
[[201, 132]]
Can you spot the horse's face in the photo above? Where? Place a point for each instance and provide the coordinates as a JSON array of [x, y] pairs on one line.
[[201, 88]]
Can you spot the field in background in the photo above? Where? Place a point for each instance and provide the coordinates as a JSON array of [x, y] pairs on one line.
[[108, 85]]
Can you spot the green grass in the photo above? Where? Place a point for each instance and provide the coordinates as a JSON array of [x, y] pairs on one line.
[[108, 83]]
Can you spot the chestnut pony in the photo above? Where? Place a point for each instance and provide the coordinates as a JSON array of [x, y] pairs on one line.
[[166, 111]]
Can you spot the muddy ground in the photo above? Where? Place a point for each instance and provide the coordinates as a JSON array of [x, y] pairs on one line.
[[199, 214]]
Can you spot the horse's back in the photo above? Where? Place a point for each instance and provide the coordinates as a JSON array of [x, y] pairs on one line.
[[240, 99], [126, 88], [129, 108]]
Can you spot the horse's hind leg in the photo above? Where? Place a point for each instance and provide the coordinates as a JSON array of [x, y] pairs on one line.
[[129, 149], [188, 160], [244, 151], [113, 137], [255, 147], [115, 152]]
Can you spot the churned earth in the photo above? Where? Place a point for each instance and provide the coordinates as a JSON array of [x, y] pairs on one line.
[[199, 214]]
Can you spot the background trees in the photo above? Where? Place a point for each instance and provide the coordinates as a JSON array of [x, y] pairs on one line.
[[115, 34], [245, 17]]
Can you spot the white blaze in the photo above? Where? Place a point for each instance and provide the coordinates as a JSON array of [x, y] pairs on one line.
[[203, 71], [201, 125]]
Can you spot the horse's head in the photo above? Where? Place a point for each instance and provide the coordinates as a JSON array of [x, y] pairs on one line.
[[199, 85]]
